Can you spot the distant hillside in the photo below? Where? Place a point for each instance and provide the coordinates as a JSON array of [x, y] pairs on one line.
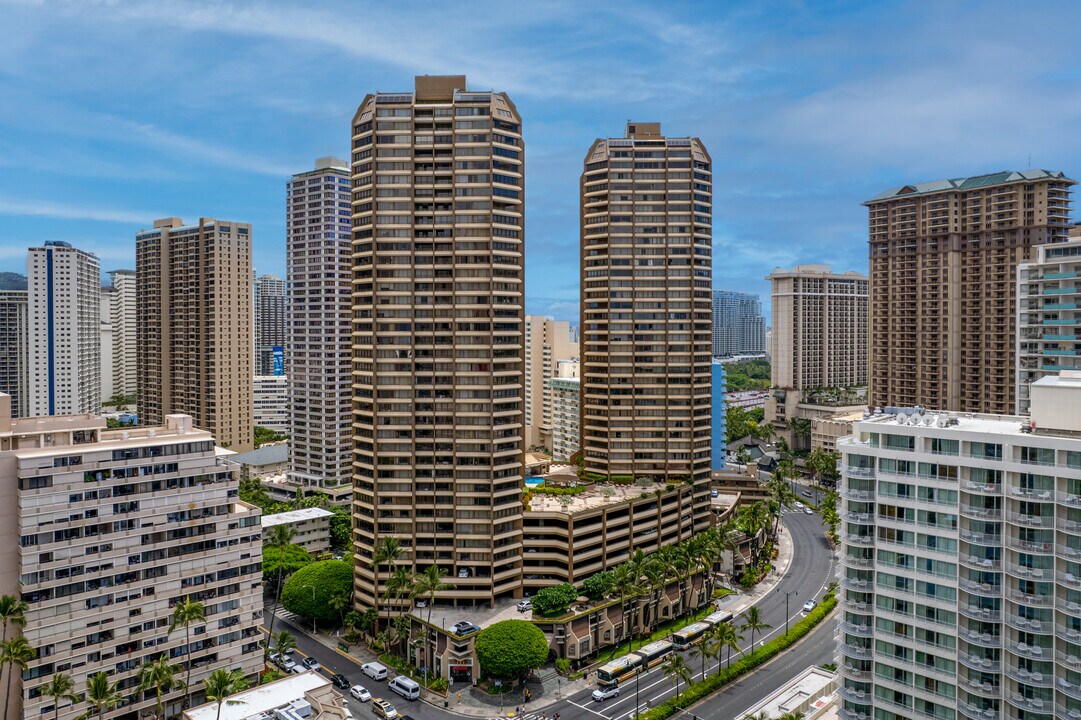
[[12, 281]]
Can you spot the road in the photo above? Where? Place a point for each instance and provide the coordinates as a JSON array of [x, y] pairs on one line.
[[810, 573]]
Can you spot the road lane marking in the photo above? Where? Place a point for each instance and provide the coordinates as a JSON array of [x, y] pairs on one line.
[[589, 710]]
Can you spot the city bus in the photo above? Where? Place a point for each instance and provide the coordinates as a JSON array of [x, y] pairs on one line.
[[683, 639], [717, 618], [654, 653], [619, 670]]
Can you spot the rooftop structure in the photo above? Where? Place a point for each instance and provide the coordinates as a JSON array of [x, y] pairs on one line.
[[307, 695]]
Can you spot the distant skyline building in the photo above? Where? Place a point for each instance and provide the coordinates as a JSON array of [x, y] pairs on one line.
[[64, 315], [739, 328], [194, 326], [438, 182], [319, 268], [547, 341], [943, 285], [15, 349], [646, 275], [118, 319], [104, 532], [271, 321], [270, 398]]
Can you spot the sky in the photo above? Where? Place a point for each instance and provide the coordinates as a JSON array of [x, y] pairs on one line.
[[114, 113]]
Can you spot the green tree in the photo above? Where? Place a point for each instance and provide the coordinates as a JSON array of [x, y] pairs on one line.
[[266, 435], [510, 648], [752, 620], [15, 654], [626, 578], [162, 677], [12, 610], [554, 600], [730, 637], [339, 601], [429, 583], [280, 538], [676, 669], [283, 643], [703, 652], [60, 687], [387, 552], [341, 527], [308, 591], [286, 561], [598, 585], [102, 694], [187, 612], [223, 683]]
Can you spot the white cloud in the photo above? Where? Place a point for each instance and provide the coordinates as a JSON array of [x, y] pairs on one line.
[[39, 208]]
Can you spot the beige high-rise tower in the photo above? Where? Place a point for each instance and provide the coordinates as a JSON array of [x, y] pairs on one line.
[[194, 326], [438, 323], [943, 288], [646, 203], [547, 341]]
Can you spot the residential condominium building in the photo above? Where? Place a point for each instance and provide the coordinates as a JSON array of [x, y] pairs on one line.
[[319, 267], [1048, 315], [14, 349], [270, 399], [271, 319], [818, 356], [943, 285], [547, 341], [193, 310], [438, 337], [64, 341], [738, 325], [107, 530], [118, 312], [646, 310], [565, 393], [961, 562]]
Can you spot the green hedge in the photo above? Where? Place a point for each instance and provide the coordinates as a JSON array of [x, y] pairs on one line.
[[744, 665], [546, 490]]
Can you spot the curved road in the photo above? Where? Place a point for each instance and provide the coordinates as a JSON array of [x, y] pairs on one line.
[[809, 574]]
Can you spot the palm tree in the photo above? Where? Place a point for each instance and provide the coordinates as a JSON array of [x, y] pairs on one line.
[[625, 580], [428, 584], [15, 653], [161, 676], [731, 639], [703, 651], [339, 601], [12, 610], [791, 715], [281, 537], [764, 715], [676, 669], [752, 620], [60, 688], [388, 552], [223, 683], [102, 694], [186, 612], [284, 643]]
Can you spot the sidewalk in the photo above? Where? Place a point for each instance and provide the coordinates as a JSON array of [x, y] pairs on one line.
[[742, 600]]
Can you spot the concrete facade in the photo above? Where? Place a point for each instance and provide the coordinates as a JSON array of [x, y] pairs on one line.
[[118, 311], [311, 525], [15, 349], [738, 327], [565, 393], [547, 342], [270, 399]]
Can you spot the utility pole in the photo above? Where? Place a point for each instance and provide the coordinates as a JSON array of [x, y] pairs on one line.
[[787, 594]]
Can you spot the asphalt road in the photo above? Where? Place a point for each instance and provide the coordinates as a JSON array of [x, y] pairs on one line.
[[810, 573]]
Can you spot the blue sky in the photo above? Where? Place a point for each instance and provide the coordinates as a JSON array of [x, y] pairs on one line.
[[113, 114]]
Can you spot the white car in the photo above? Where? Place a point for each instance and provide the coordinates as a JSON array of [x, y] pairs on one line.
[[799, 505], [287, 664], [358, 692], [525, 606], [809, 606], [809, 511], [601, 694]]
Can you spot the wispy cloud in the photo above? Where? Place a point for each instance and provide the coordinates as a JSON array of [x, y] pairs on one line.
[[39, 208]]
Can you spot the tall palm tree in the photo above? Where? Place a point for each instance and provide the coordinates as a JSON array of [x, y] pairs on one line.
[[16, 653], [281, 537], [339, 601], [102, 694], [223, 683], [283, 643], [702, 651], [388, 552], [752, 620], [59, 688], [428, 584], [12, 610], [677, 670], [186, 612], [162, 677], [731, 638]]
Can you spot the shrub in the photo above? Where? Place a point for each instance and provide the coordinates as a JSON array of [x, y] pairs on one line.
[[554, 600], [552, 490], [563, 665], [510, 648], [307, 593], [440, 684], [597, 585]]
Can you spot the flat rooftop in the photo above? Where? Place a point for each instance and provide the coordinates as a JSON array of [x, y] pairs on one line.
[[811, 685], [972, 422], [445, 616], [261, 699], [293, 516], [594, 496]]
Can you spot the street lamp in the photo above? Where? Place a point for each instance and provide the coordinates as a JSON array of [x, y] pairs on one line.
[[314, 631], [787, 594]]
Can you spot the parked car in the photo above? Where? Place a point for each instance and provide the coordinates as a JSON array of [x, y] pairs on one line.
[[374, 670], [311, 663], [601, 694], [408, 689], [809, 606], [384, 709], [464, 628], [359, 692], [714, 493], [340, 681], [463, 573], [422, 603], [525, 606], [287, 664], [806, 493], [809, 511]]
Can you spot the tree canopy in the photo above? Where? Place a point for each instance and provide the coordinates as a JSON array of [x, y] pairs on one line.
[[747, 375], [554, 600], [307, 593], [294, 558], [510, 648], [597, 585]]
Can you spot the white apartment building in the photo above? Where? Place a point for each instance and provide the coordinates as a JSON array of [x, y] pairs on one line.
[[14, 341], [319, 268], [271, 400], [961, 562], [106, 531], [120, 296], [566, 395], [64, 315], [547, 342], [1048, 315], [311, 525]]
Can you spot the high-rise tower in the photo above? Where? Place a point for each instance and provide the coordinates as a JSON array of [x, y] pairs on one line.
[[438, 324], [270, 325], [646, 204], [738, 325], [14, 350]]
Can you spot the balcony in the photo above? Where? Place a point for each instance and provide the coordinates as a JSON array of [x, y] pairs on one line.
[[981, 664], [853, 629], [972, 712], [978, 563], [1036, 679], [855, 650], [976, 612], [981, 639], [1026, 650], [1024, 703]]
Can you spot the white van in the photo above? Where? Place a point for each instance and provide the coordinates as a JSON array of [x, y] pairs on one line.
[[374, 670], [408, 689]]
